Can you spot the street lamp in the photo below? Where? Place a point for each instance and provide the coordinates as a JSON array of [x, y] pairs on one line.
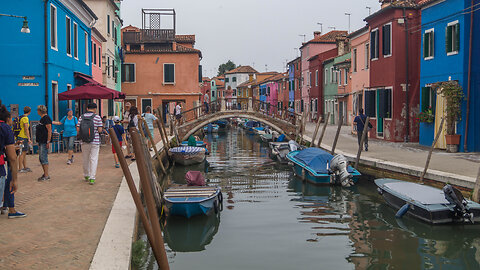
[[25, 28], [321, 27]]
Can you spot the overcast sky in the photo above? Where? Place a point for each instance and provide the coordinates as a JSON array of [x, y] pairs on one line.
[[253, 32]]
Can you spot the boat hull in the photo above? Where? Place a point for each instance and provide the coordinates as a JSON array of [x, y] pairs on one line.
[[188, 160], [429, 213], [192, 205]]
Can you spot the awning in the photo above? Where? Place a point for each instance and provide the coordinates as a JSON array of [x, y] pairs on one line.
[[85, 77], [91, 91]]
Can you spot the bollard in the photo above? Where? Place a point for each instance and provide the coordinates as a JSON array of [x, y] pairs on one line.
[[315, 132], [360, 147], [339, 127], [431, 150], [323, 130], [146, 180], [157, 251]]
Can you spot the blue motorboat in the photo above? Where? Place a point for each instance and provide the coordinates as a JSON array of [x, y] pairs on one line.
[[189, 201], [320, 167], [429, 204], [211, 128]]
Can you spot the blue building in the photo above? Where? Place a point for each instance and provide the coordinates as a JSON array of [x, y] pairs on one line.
[[445, 56], [36, 67], [291, 84]]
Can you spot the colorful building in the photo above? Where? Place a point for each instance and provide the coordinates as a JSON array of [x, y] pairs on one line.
[[216, 86], [316, 89], [320, 43], [393, 97], [236, 77], [446, 56], [160, 67], [45, 62], [360, 67], [342, 65], [330, 88], [294, 78], [97, 40]]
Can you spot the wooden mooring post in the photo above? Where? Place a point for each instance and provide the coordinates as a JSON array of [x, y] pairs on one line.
[[161, 128], [360, 147], [315, 132], [476, 189], [157, 154], [158, 247], [323, 130], [427, 163], [339, 127]]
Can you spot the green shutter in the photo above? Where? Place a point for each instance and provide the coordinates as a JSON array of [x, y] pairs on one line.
[[432, 44], [448, 39], [457, 37], [425, 98], [425, 45]]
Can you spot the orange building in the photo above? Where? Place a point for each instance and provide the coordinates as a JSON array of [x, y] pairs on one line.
[[160, 68]]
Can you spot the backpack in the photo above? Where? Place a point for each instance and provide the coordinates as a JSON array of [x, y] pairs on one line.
[[17, 127], [131, 123], [87, 129]]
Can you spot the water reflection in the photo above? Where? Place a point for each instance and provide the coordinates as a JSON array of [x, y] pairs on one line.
[[274, 221]]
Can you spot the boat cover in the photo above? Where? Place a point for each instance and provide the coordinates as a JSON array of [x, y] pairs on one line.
[[195, 178], [317, 160], [187, 149], [259, 128], [281, 138], [251, 124], [420, 193]]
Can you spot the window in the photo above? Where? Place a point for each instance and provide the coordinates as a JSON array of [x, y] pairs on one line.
[[86, 48], [115, 34], [428, 41], [268, 91], [374, 44], [234, 92], [128, 72], [114, 70], [108, 66], [145, 103], [68, 34], [339, 75], [94, 53], [354, 60], [113, 30], [240, 92], [234, 79], [213, 93], [345, 73], [227, 80], [316, 77], [108, 24], [55, 101], [452, 38], [367, 55], [385, 103], [69, 87], [53, 27], [325, 79], [309, 78], [370, 103], [332, 75], [301, 105], [428, 99], [110, 107], [99, 56], [75, 40], [169, 73], [387, 40]]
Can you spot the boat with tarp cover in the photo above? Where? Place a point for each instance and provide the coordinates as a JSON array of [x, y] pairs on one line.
[[320, 167], [187, 155]]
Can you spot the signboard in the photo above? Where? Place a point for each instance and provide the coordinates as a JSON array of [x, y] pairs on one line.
[[28, 77], [29, 84]]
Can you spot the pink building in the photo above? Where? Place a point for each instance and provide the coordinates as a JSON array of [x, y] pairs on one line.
[[319, 44], [360, 67], [97, 75]]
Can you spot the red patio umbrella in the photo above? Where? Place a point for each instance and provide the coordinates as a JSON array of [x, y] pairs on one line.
[[91, 91]]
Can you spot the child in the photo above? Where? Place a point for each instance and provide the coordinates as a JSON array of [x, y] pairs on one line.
[[120, 132]]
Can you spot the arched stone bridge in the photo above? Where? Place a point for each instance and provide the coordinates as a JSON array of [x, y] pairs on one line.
[[247, 110]]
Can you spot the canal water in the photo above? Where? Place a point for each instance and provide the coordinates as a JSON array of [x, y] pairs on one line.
[[271, 220]]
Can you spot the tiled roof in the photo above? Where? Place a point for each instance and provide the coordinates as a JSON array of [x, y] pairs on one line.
[[425, 2], [205, 79], [242, 69], [395, 4], [180, 49], [330, 37], [219, 83], [185, 38]]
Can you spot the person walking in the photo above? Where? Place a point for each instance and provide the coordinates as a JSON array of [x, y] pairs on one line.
[[178, 113], [88, 128], [133, 123], [206, 100], [8, 184], [149, 119], [121, 136], [359, 122], [22, 124], [69, 123], [44, 137], [125, 122]]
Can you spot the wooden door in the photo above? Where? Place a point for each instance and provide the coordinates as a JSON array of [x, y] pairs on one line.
[[439, 113]]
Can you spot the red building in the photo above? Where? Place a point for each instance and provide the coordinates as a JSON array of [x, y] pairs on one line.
[[205, 86], [316, 89], [392, 101]]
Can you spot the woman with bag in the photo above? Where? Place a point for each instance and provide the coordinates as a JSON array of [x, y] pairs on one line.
[[69, 123]]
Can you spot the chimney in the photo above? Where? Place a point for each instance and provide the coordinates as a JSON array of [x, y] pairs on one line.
[[317, 34], [174, 46]]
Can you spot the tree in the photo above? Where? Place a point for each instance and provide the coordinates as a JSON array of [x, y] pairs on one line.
[[229, 65]]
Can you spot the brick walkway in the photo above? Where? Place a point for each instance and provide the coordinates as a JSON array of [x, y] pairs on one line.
[[66, 216]]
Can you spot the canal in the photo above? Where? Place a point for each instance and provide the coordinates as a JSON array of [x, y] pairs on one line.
[[271, 220]]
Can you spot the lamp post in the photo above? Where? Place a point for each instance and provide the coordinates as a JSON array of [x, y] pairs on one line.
[[321, 27], [349, 15], [25, 28]]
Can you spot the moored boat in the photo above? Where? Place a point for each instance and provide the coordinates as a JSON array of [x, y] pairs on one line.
[[187, 155], [320, 167], [199, 143], [211, 128], [429, 204]]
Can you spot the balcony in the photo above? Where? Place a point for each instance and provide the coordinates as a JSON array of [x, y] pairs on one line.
[[149, 36]]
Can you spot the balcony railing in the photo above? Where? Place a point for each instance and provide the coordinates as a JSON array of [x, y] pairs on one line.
[[149, 36]]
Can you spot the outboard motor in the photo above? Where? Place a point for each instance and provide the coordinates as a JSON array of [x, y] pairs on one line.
[[455, 197], [293, 145], [338, 167]]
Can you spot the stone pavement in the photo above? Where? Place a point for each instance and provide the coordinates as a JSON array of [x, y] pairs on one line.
[[66, 216], [411, 154]]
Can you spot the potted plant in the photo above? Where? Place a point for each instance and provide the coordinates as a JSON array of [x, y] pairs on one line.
[[426, 116], [453, 94]]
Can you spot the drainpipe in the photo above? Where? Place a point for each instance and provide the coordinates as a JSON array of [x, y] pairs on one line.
[[407, 79], [469, 78], [45, 2]]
